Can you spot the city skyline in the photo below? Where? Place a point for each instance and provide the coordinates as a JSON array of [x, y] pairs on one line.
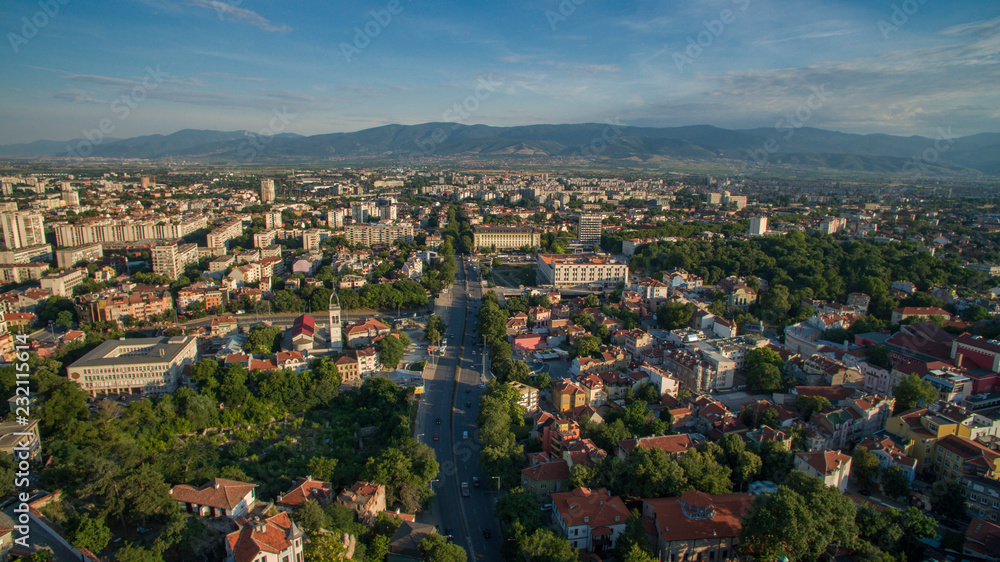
[[157, 66]]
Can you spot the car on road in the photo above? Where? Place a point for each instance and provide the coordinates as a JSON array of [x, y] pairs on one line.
[[465, 489], [437, 437], [465, 435], [468, 403], [468, 389], [475, 481], [438, 421], [486, 533]]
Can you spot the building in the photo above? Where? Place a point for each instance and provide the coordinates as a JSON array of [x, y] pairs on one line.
[[365, 499], [506, 237], [592, 520], [275, 539], [21, 229], [900, 314], [529, 396], [589, 229], [15, 437], [68, 257], [405, 543], [697, 526], [218, 498], [758, 226], [272, 221], [171, 259], [113, 306], [127, 230], [955, 457], [545, 478], [306, 489], [362, 333], [587, 270], [311, 238], [674, 446], [832, 467], [567, 395], [267, 193], [134, 366], [218, 239], [982, 497], [378, 234], [28, 254], [61, 284]]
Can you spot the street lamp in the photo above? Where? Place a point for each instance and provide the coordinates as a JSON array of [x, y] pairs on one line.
[[497, 478]]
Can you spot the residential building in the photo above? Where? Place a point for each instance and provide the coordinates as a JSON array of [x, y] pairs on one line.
[[528, 396], [832, 467], [16, 437], [378, 234], [545, 478], [506, 237], [921, 428], [218, 239], [306, 489], [673, 445], [900, 314], [405, 543], [590, 270], [275, 539], [171, 259], [267, 193], [22, 229], [697, 526], [982, 497], [890, 455], [134, 366], [592, 520], [68, 257], [955, 457], [365, 499], [218, 498], [61, 284], [127, 230], [982, 541], [113, 306], [589, 229], [41, 253], [364, 332], [758, 226]]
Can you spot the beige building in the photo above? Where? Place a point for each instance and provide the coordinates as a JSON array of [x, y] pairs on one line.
[[134, 366], [832, 467], [126, 231], [22, 229], [697, 526], [267, 193], [68, 257], [171, 259], [61, 284], [41, 254], [562, 271], [506, 237], [378, 234], [220, 237]]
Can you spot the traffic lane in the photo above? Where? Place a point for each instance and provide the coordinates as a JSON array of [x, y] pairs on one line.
[[479, 507]]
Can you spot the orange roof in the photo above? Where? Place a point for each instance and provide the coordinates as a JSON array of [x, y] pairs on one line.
[[673, 523], [669, 444], [555, 470], [825, 462], [306, 489], [218, 492], [272, 537], [598, 507]]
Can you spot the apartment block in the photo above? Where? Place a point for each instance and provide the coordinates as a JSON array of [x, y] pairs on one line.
[[22, 229], [589, 229], [378, 234], [171, 259], [61, 284], [267, 192], [220, 237], [506, 237], [41, 253], [264, 238], [68, 257], [560, 271], [105, 230]]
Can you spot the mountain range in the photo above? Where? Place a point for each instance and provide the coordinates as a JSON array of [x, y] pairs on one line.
[[588, 144]]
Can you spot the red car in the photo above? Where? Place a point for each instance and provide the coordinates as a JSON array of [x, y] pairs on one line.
[[468, 389], [436, 438]]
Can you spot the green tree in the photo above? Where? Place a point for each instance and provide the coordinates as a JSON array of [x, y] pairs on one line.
[[632, 544], [64, 319], [774, 304], [865, 465], [652, 474], [807, 405], [674, 315], [895, 483], [585, 346], [947, 499], [911, 391], [325, 548], [132, 553], [764, 368], [519, 505], [436, 548], [89, 532], [391, 349], [542, 545], [705, 474], [311, 516], [263, 339]]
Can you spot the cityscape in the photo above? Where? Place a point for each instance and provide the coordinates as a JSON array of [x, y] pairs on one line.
[[715, 281]]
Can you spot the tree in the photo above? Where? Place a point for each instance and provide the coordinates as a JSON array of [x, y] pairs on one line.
[[540, 546], [947, 499], [391, 349], [774, 304], [912, 390], [519, 505], [632, 544], [674, 315], [705, 474], [746, 468], [89, 533], [263, 339], [652, 474], [585, 346], [310, 515], [895, 483], [636, 553], [865, 465], [764, 368], [132, 553], [325, 548], [436, 548], [807, 405], [64, 319]]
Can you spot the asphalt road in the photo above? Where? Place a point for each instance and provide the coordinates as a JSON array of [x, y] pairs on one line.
[[452, 394]]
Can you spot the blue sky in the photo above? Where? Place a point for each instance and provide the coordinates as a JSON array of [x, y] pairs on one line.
[[157, 66]]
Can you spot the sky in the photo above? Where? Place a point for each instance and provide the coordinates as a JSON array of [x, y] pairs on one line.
[[123, 68]]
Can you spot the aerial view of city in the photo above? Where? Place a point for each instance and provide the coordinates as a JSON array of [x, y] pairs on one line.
[[529, 281]]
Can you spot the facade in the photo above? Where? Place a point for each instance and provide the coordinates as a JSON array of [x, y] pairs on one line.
[[115, 306], [365, 499], [68, 257], [589, 229], [362, 333], [560, 271], [955, 457], [378, 234], [758, 226], [592, 520], [218, 239], [22, 229], [275, 539], [697, 526], [61, 284], [134, 366], [41, 253], [107, 230], [171, 259], [529, 396], [506, 237], [545, 478], [306, 489], [15, 437], [832, 467], [267, 193], [218, 498]]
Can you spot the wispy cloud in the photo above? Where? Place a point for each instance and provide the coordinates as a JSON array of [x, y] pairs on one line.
[[814, 35], [235, 13], [235, 78]]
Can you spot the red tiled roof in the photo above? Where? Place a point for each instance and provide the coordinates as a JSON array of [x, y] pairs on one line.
[[674, 525], [555, 470], [306, 489], [218, 493], [670, 444], [598, 506], [825, 462], [248, 542]]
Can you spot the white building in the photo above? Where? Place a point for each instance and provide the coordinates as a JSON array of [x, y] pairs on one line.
[[564, 271], [22, 229], [134, 366], [758, 226]]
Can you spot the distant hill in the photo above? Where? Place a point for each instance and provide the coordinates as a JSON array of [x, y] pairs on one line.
[[740, 150]]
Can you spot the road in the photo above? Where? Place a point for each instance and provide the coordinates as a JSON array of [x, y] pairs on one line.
[[451, 394]]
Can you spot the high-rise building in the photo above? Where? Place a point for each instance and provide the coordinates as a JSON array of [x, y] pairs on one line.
[[170, 259], [71, 198], [267, 190], [589, 229], [272, 220], [758, 226], [22, 229]]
